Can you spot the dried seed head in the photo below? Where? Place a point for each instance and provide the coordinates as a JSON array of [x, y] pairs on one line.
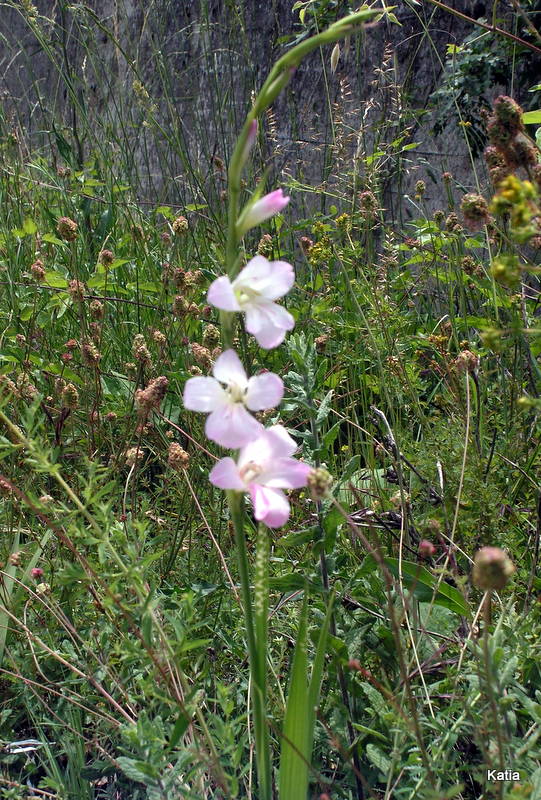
[[15, 559], [475, 210], [90, 354], [177, 457], [306, 244], [67, 229], [211, 336], [180, 226], [26, 388], [466, 361], [133, 456], [76, 290], [106, 257], [202, 356], [492, 568], [180, 306], [159, 338], [151, 397], [265, 246], [140, 350], [70, 397], [319, 482], [38, 271]]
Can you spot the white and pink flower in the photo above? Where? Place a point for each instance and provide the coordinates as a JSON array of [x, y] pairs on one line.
[[229, 423], [253, 292], [264, 468]]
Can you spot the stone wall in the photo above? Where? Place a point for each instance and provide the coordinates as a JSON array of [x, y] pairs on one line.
[[68, 76]]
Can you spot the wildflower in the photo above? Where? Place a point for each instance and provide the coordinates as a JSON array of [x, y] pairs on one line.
[[36, 572], [229, 423], [256, 213], [67, 229], [177, 457], [492, 568], [264, 468], [253, 291]]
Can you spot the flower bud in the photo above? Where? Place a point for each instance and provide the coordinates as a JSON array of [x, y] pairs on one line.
[[492, 568], [256, 213]]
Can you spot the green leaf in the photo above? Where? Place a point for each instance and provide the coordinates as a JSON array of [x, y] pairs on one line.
[[532, 117], [29, 226], [52, 239], [294, 759], [425, 587], [55, 279]]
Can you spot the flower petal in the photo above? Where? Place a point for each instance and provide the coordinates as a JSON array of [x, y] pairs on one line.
[[270, 506], [264, 391], [262, 209], [232, 426], [203, 394], [272, 279], [225, 475], [286, 473], [271, 444], [228, 369], [268, 322], [221, 294]]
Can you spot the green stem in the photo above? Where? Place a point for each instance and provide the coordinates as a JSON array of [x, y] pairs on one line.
[[256, 648]]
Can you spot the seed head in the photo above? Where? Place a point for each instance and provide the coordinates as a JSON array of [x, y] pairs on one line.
[[475, 210], [96, 309], [140, 350], [180, 226], [211, 336], [319, 482], [426, 548], [177, 457], [90, 354], [265, 246], [106, 257], [133, 456], [67, 229], [492, 568], [76, 290], [70, 397], [159, 338], [37, 270], [202, 356], [151, 397]]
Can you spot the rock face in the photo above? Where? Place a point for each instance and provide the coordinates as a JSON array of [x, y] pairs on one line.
[[157, 90]]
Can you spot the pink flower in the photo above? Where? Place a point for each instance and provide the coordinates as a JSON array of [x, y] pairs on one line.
[[36, 572], [229, 423], [256, 213], [263, 469], [253, 291]]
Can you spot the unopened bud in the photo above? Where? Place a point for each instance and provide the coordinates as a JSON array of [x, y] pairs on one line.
[[492, 568]]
